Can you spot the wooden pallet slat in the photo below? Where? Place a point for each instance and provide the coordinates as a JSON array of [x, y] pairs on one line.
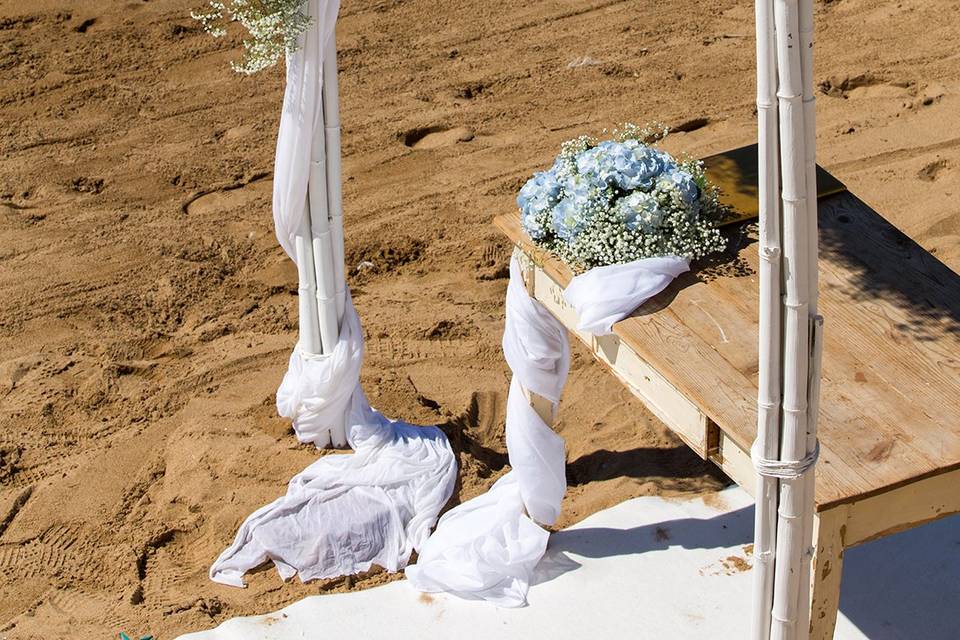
[[890, 408]]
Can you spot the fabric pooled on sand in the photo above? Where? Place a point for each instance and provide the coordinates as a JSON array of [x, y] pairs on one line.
[[345, 513]]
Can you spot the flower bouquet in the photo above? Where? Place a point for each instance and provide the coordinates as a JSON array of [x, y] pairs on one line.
[[620, 200]]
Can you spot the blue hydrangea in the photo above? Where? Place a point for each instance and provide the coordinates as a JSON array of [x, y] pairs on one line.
[[627, 165], [640, 211], [542, 186], [619, 200], [582, 199], [580, 187], [537, 196], [568, 219], [682, 183]]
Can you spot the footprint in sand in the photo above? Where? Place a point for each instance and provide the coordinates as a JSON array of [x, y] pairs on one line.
[[435, 137], [227, 199]]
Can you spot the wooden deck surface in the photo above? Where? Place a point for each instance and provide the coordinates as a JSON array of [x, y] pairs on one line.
[[890, 401]]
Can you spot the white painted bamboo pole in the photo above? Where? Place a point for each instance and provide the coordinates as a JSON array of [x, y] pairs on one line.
[[769, 394], [331, 123], [322, 243], [816, 335], [805, 591], [307, 287], [796, 327], [325, 300]]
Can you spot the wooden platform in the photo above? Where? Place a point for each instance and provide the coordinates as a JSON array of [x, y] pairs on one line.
[[889, 421]]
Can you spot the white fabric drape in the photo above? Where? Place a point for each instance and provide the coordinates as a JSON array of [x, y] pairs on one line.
[[487, 548], [344, 513], [605, 295], [302, 114]]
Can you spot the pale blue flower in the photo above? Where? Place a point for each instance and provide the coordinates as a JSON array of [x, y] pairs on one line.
[[681, 183], [627, 165], [640, 211], [538, 195], [568, 219], [581, 202], [618, 201], [542, 186]]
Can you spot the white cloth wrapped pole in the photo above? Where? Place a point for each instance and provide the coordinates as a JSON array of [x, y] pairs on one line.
[[300, 192], [345, 513], [487, 548], [302, 114]]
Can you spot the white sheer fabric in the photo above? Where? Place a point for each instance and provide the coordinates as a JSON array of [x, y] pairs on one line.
[[606, 295], [302, 114], [343, 513], [488, 547]]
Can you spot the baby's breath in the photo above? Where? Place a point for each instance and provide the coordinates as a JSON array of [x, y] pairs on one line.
[[621, 199], [275, 27]]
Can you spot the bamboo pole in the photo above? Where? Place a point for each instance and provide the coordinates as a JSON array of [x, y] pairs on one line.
[[816, 334], [769, 393], [322, 244], [323, 301], [307, 287], [327, 148], [796, 343], [331, 123], [805, 590]]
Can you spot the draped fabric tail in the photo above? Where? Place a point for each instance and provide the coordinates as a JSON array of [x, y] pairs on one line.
[[488, 548], [345, 513], [605, 295]]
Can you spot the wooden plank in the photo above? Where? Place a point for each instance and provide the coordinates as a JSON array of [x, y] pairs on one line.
[[663, 400], [735, 461], [902, 309], [825, 575], [903, 508], [891, 389]]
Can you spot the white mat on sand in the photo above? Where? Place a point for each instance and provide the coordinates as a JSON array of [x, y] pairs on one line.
[[647, 568]]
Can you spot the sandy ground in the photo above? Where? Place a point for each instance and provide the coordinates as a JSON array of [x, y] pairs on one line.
[[146, 312]]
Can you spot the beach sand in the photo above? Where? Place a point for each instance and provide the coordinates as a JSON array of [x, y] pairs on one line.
[[147, 313]]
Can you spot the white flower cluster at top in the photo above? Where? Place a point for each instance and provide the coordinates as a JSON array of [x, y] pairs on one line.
[[619, 200], [275, 27]]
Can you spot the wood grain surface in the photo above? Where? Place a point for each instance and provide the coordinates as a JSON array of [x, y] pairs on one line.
[[890, 403]]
